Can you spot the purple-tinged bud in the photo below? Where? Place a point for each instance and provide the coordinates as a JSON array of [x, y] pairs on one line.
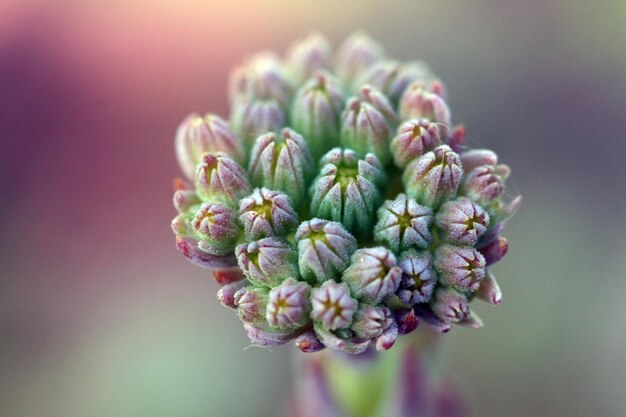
[[425, 313], [308, 55], [308, 342], [333, 306], [403, 224], [407, 320], [266, 213], [225, 276], [251, 303], [198, 135], [462, 221], [355, 56], [227, 294], [185, 199], [489, 290], [215, 225], [418, 102], [282, 163], [365, 124], [316, 112], [386, 340], [267, 337], [346, 190], [454, 138], [180, 226], [414, 138], [219, 178], [433, 177], [373, 274], [393, 77], [495, 251], [450, 305], [474, 158], [324, 249], [371, 321], [418, 277], [460, 266], [251, 117], [485, 183], [332, 341], [268, 261], [190, 250], [289, 304]]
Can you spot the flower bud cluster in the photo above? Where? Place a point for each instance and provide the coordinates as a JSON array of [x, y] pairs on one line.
[[338, 206]]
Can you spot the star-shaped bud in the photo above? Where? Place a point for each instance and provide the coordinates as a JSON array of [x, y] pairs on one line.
[[289, 304], [358, 52], [219, 178], [373, 274], [251, 304], [418, 277], [462, 221], [413, 139], [403, 224], [420, 103], [324, 249], [332, 305], [371, 321], [462, 267], [198, 135], [266, 213], [282, 163], [268, 261], [393, 77], [365, 124], [346, 190], [316, 111], [433, 177], [450, 305], [308, 55], [251, 117], [215, 226], [485, 183]]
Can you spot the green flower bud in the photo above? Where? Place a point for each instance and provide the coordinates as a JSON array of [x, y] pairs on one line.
[[393, 77], [315, 113], [462, 221], [346, 190], [282, 163], [185, 199], [403, 224], [460, 266], [373, 274], [324, 249], [289, 304], [333, 306], [219, 178], [308, 55], [251, 117], [417, 102], [434, 177], [198, 135], [413, 139], [251, 304], [267, 262], [355, 56], [215, 226], [266, 213]]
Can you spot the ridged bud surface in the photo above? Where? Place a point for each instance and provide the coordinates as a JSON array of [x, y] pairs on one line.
[[418, 277], [460, 266], [484, 183], [268, 261], [373, 274], [450, 305], [417, 102], [403, 224], [251, 303], [215, 226], [462, 221], [332, 305], [370, 321], [393, 77], [266, 213], [413, 139], [219, 178], [308, 55], [289, 304], [356, 55], [251, 117]]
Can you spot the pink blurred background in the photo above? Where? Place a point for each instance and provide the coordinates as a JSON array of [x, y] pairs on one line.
[[100, 316]]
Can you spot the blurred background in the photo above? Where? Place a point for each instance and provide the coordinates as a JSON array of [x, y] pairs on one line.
[[101, 316]]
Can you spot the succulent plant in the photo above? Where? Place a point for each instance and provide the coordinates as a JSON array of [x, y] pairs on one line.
[[339, 206]]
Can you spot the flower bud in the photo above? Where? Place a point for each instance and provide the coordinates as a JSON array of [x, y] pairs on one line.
[[418, 102], [414, 138], [266, 213], [251, 117], [434, 177], [365, 124], [332, 305], [324, 249], [425, 313], [251, 304], [495, 251], [198, 135], [267, 337], [308, 342], [225, 276], [489, 290], [185, 199], [357, 53], [474, 158], [386, 340], [219, 178], [289, 304], [373, 275], [485, 183], [282, 163], [462, 267], [190, 250], [215, 225], [227, 294], [346, 344], [403, 224], [308, 55], [316, 111], [267, 262], [407, 320], [371, 321], [418, 277], [346, 190], [450, 305], [462, 221]]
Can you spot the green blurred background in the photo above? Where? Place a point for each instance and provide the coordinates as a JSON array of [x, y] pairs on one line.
[[100, 316]]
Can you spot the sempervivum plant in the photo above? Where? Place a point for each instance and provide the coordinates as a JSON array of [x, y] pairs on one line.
[[339, 205]]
